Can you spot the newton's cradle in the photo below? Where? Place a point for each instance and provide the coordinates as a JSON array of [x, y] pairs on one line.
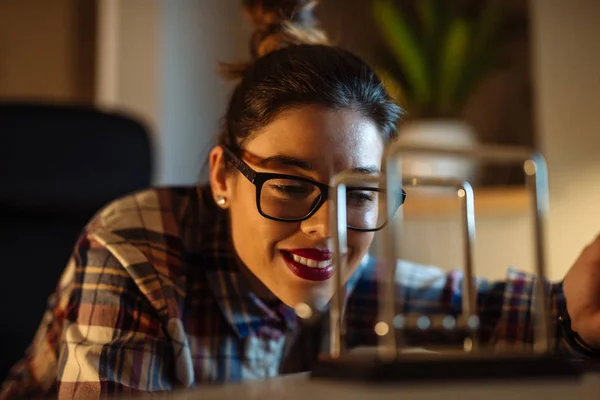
[[391, 360]]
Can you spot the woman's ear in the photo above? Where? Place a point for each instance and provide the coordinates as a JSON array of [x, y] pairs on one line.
[[221, 185]]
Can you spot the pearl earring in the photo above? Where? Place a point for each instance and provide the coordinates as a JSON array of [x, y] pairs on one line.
[[221, 200]]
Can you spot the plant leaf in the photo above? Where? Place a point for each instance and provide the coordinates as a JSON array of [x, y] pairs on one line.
[[454, 54], [403, 45], [483, 48], [446, 11], [487, 25], [428, 17]]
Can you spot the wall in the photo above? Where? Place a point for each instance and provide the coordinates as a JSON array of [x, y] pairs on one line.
[[433, 232], [139, 58], [567, 75], [47, 49], [196, 34], [162, 65], [129, 66]]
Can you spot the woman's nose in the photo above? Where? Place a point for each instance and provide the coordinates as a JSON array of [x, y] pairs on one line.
[[318, 223]]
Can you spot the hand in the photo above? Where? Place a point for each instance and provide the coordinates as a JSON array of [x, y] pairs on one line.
[[582, 291]]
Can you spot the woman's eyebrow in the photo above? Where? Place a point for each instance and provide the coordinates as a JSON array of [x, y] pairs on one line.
[[281, 160], [371, 170]]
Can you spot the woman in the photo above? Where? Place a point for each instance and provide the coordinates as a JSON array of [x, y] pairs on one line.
[[173, 287]]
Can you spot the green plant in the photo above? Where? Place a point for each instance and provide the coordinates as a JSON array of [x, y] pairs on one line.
[[441, 56]]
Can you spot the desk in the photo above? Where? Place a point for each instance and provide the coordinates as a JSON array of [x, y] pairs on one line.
[[301, 387]]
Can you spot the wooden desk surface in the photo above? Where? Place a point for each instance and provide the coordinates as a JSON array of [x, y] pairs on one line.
[[301, 387]]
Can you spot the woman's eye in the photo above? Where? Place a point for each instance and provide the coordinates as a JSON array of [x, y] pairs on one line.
[[289, 189], [360, 198]]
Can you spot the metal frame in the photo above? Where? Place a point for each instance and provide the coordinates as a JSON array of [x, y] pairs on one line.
[[534, 167]]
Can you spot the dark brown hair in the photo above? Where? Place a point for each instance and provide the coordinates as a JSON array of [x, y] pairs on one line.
[[293, 65]]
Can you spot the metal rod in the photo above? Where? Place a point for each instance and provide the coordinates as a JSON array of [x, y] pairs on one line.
[[469, 299], [336, 338], [536, 173], [387, 346], [339, 224], [390, 339], [494, 154]]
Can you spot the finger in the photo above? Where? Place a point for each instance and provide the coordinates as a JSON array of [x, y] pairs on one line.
[[592, 250]]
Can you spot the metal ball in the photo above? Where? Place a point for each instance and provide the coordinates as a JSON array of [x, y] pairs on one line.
[[449, 322], [399, 321], [423, 323], [473, 322]]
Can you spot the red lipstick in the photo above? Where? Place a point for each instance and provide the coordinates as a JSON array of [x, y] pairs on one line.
[[310, 264]]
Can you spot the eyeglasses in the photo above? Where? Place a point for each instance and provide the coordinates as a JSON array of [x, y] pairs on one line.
[[289, 198]]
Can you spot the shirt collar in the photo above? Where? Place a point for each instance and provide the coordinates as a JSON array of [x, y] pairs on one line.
[[244, 311]]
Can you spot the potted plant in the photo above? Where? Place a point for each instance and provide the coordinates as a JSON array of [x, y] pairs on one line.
[[440, 56]]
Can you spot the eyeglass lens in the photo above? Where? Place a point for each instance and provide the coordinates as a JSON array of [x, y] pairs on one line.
[[290, 199]]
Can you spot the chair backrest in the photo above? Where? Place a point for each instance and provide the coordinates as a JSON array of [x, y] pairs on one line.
[[58, 166]]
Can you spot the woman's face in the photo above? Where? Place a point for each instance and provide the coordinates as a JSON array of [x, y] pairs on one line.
[[310, 142]]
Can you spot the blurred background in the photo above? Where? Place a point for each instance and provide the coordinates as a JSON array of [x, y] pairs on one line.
[[513, 72]]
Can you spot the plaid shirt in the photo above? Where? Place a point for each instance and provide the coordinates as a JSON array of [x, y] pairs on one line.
[[153, 299]]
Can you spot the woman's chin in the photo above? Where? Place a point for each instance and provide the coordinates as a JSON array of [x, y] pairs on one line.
[[300, 292], [314, 299]]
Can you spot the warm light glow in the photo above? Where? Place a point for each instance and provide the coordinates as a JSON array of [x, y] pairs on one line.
[[468, 344], [303, 311], [382, 329], [529, 167]]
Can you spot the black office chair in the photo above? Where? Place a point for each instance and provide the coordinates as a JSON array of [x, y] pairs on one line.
[[58, 166]]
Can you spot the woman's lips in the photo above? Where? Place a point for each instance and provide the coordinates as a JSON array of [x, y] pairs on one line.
[[310, 264]]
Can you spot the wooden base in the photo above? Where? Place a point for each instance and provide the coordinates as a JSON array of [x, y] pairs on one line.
[[440, 368]]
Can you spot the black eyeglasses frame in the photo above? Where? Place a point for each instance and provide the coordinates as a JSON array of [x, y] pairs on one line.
[[258, 179]]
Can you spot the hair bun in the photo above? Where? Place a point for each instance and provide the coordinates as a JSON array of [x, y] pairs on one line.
[[278, 24], [269, 14]]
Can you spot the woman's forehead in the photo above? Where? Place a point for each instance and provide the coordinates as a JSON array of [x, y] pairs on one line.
[[320, 138]]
